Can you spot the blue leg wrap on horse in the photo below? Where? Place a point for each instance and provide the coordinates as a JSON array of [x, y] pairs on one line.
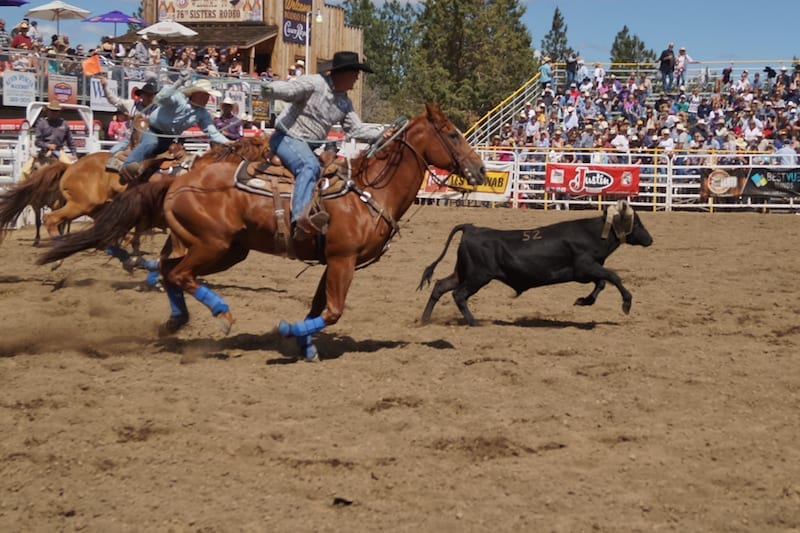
[[303, 328], [152, 278], [210, 299], [119, 253], [177, 303], [150, 264]]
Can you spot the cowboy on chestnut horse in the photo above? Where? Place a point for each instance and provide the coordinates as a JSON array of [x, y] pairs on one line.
[[316, 103]]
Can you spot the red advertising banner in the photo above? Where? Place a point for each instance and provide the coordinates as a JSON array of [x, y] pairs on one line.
[[577, 179]]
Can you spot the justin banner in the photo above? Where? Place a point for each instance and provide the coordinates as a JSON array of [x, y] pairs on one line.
[[578, 179], [763, 182]]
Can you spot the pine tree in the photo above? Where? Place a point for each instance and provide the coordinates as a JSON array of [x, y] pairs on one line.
[[471, 54], [627, 49], [554, 43], [388, 34]]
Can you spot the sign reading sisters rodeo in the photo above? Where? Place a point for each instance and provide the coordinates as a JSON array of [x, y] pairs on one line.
[[580, 179], [737, 182], [210, 10]]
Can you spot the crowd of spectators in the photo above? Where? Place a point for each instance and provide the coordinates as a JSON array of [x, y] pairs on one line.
[[605, 118], [595, 111], [27, 51]]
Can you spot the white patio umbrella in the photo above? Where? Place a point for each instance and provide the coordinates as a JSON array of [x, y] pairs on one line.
[[58, 11], [167, 28]]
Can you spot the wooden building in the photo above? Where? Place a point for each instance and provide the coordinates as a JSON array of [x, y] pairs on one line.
[[268, 33]]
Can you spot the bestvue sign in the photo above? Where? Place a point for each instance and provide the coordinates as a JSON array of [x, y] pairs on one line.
[[763, 182], [578, 179]]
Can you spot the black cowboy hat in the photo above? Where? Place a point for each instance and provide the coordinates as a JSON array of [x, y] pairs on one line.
[[348, 61], [147, 88]]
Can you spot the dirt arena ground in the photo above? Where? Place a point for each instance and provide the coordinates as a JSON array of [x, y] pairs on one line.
[[681, 416]]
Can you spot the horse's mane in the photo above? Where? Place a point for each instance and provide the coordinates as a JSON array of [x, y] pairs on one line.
[[249, 148]]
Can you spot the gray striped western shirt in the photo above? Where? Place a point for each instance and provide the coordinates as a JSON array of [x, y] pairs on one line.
[[314, 108]]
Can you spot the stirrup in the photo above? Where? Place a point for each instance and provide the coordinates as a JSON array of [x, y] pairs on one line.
[[130, 173], [307, 226]]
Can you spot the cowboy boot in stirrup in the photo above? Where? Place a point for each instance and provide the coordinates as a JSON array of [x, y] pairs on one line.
[[308, 226], [130, 173]]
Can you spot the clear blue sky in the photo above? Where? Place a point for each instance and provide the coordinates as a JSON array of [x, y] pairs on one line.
[[711, 30]]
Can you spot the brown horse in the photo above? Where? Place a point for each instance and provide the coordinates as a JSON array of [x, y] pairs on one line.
[[85, 187], [40, 190], [215, 225]]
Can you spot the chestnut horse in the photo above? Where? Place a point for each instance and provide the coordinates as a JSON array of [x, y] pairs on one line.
[[40, 190], [85, 186], [214, 225]]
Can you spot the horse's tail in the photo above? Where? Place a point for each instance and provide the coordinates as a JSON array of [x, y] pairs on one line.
[[141, 207], [39, 190], [428, 273]]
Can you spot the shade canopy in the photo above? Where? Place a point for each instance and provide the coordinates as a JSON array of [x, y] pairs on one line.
[[116, 17], [167, 28], [58, 11], [12, 3]]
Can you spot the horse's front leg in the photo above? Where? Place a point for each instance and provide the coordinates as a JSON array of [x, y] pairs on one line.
[[37, 215], [327, 306]]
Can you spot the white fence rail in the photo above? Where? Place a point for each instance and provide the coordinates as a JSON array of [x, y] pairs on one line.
[[668, 181]]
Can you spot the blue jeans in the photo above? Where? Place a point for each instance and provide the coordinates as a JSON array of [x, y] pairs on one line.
[[121, 146], [667, 76], [148, 146], [680, 80], [296, 154]]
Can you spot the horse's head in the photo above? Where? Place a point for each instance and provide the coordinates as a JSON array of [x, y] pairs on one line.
[[442, 145]]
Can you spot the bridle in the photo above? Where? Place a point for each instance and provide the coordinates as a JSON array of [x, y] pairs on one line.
[[457, 156]]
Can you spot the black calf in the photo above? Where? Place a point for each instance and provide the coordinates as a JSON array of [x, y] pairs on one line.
[[522, 259]]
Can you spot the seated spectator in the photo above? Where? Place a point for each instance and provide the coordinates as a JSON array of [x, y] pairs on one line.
[[21, 40], [5, 38], [784, 154], [235, 69], [154, 53]]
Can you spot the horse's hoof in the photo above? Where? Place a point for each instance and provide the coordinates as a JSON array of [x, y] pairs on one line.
[[129, 265], [308, 351], [172, 325], [225, 321], [57, 264]]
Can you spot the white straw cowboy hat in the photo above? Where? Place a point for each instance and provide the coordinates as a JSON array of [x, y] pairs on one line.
[[201, 86]]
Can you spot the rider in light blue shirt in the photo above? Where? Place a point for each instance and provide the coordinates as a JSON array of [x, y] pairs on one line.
[[176, 111]]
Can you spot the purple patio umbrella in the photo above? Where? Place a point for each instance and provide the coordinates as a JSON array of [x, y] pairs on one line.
[[115, 17], [12, 3]]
